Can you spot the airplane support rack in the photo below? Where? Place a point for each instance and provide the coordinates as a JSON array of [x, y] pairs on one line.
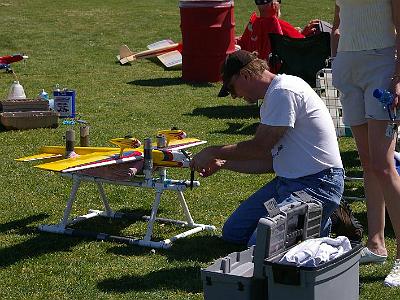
[[159, 185]]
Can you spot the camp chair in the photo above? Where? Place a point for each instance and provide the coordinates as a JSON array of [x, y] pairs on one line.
[[302, 57]]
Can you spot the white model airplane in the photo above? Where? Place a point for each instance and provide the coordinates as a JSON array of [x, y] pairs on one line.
[[168, 52]]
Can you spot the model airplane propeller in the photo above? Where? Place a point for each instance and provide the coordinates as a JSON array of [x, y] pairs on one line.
[[6, 61], [166, 152]]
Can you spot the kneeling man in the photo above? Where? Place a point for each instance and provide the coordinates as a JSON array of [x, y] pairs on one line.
[[296, 139]]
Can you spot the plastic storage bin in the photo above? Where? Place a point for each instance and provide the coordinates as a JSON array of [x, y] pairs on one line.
[[241, 275]]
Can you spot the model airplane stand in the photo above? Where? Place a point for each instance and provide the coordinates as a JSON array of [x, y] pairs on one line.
[[158, 184]]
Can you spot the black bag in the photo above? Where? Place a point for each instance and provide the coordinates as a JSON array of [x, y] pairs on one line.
[[302, 57]]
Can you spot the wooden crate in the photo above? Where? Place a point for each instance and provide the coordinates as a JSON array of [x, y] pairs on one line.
[[29, 119]]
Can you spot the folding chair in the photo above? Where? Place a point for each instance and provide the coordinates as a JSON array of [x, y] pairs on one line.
[[302, 57]]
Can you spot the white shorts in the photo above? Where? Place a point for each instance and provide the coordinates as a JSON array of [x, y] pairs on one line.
[[356, 74]]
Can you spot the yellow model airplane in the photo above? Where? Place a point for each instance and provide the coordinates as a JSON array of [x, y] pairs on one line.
[[169, 153]]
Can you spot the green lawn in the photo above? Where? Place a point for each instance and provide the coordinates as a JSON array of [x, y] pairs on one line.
[[74, 43]]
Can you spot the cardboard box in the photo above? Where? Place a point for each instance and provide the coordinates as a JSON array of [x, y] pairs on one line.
[[24, 105], [29, 119]]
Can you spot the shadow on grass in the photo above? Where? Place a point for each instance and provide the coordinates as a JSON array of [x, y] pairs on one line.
[[185, 279], [239, 128], [362, 218], [227, 112], [372, 279], [43, 243], [203, 249], [116, 225], [159, 82], [350, 159], [33, 247], [21, 226]]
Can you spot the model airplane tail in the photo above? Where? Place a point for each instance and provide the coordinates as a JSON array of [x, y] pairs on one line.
[[126, 55]]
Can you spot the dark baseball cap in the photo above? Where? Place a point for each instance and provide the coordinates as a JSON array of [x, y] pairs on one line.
[[262, 2], [234, 62]]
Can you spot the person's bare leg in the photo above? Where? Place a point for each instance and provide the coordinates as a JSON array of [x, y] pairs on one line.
[[373, 193], [382, 164]]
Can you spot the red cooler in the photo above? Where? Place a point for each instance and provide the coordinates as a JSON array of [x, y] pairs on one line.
[[208, 35]]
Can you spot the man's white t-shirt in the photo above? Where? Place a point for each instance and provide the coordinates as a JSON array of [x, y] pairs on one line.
[[310, 144]]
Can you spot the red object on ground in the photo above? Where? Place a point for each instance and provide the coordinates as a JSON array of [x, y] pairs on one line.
[[6, 60], [208, 35]]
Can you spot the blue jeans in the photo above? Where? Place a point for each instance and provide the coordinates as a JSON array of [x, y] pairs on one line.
[[326, 186]]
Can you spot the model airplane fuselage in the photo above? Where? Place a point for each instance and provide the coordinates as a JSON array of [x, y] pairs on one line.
[[6, 61], [166, 152]]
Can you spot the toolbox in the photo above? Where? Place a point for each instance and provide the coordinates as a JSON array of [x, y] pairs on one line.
[[256, 273]]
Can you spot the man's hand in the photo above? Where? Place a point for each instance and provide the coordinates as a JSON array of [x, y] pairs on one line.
[[395, 87], [202, 160], [214, 166], [311, 28]]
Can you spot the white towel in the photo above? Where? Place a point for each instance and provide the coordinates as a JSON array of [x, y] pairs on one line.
[[313, 252]]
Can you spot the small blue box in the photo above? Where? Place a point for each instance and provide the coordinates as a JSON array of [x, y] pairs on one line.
[[64, 103]]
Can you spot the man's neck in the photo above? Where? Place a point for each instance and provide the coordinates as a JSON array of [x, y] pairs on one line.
[[265, 82]]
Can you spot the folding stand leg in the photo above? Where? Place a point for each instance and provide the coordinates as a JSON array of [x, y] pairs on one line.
[[109, 211], [153, 216], [60, 228], [67, 211], [185, 208]]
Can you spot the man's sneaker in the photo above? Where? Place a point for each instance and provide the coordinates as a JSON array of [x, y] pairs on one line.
[[393, 279], [344, 222], [369, 257]]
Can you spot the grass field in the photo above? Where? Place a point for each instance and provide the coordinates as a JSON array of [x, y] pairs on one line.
[[74, 43]]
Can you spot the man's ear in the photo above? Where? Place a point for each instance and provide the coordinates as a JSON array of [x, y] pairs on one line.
[[276, 7]]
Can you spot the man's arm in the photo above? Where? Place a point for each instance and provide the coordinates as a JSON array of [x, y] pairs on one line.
[[335, 32], [258, 148], [260, 166], [311, 28], [396, 75]]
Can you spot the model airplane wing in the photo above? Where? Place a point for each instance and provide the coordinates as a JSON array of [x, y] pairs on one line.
[[184, 143], [51, 152], [92, 160], [92, 157], [170, 58]]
